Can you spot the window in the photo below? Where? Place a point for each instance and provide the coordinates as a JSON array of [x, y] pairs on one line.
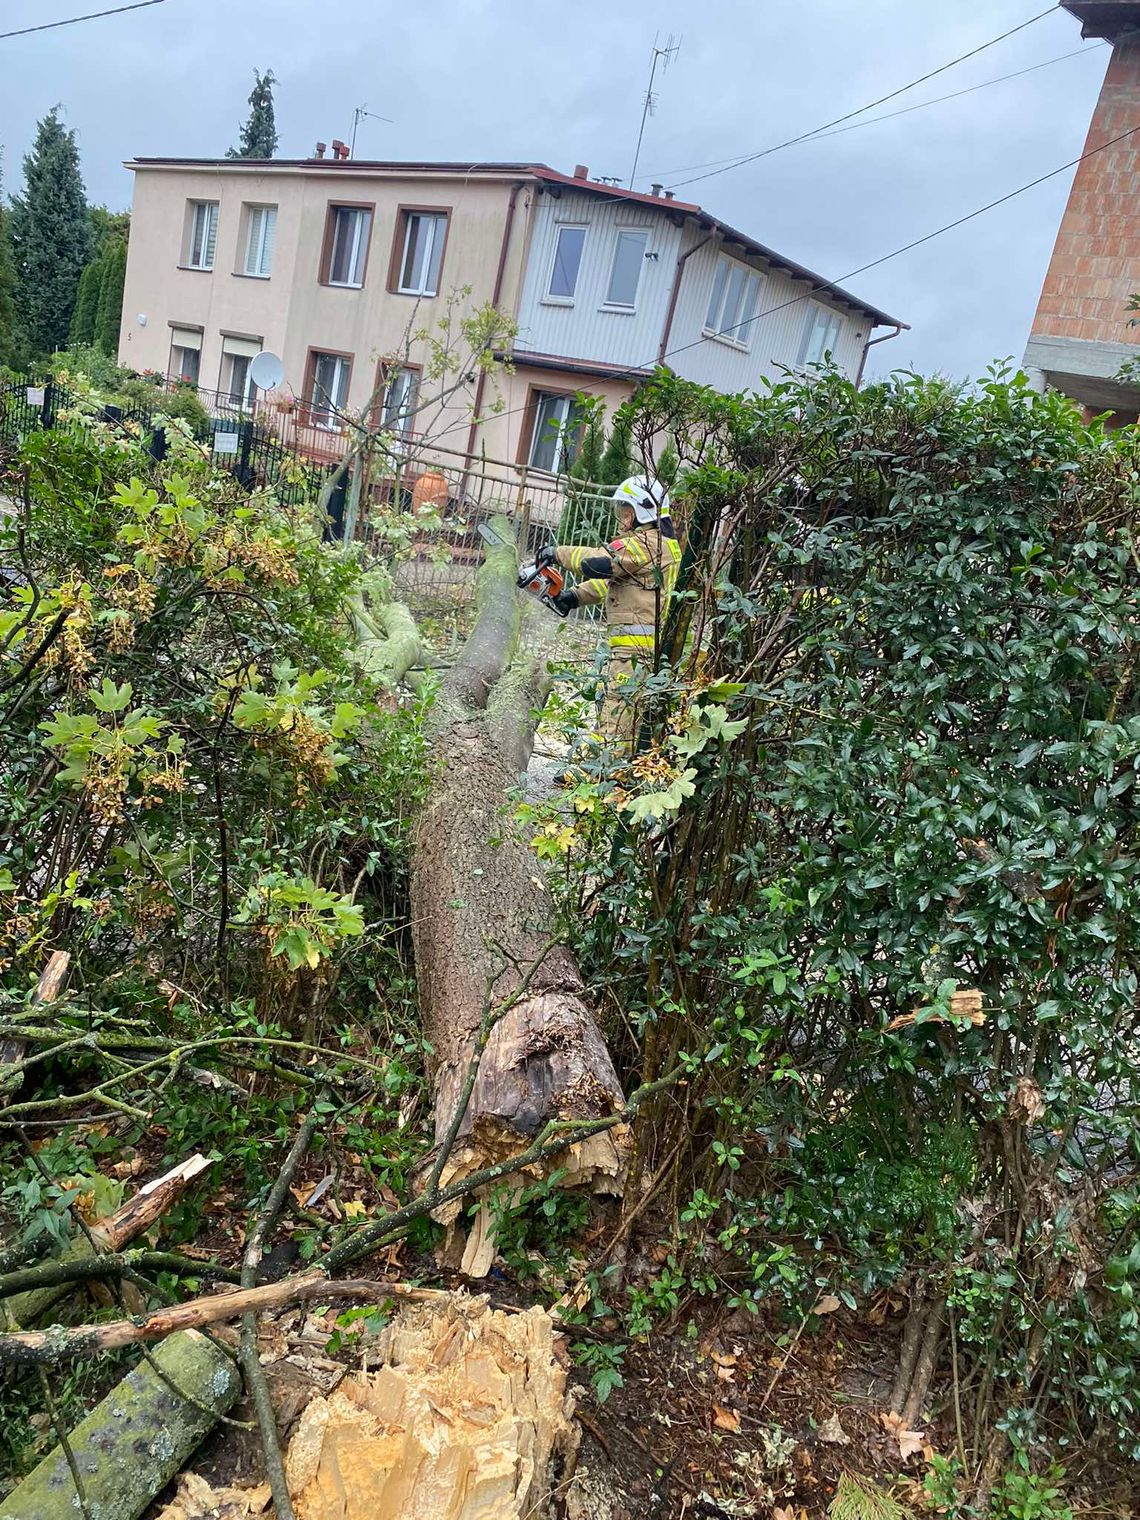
[[329, 389], [203, 234], [735, 295], [554, 441], [347, 245], [568, 245], [401, 394], [821, 334], [421, 257], [240, 390], [261, 232], [185, 364], [625, 276]]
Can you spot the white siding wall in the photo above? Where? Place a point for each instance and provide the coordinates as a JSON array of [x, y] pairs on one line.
[[772, 340], [588, 330]]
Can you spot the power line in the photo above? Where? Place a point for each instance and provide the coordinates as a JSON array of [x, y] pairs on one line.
[[749, 158], [1082, 52], [48, 26]]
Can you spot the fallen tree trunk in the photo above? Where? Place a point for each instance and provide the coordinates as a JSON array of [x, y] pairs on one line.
[[136, 1439], [48, 988], [111, 1234], [503, 1002]]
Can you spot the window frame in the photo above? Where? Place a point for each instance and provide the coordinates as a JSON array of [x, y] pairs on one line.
[[192, 208], [835, 318], [175, 374], [246, 401], [333, 425], [328, 245], [529, 430], [609, 304], [549, 297], [404, 214], [386, 371], [250, 208], [718, 296]]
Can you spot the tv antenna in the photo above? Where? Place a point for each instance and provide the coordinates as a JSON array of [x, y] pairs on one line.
[[358, 116], [663, 56]]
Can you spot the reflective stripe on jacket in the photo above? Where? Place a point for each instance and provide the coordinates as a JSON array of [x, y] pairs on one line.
[[633, 576]]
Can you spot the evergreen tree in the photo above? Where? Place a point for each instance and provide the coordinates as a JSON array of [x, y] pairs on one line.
[[106, 225], [82, 330], [259, 132], [617, 461], [109, 312], [51, 238], [585, 516], [8, 343]]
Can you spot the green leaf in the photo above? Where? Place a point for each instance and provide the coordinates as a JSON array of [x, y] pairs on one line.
[[110, 698]]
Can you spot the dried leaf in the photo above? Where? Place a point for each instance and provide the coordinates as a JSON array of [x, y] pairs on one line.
[[726, 1374], [783, 1513], [1027, 1102], [832, 1432], [910, 1442], [722, 1360], [354, 1208], [726, 1419], [827, 1304]]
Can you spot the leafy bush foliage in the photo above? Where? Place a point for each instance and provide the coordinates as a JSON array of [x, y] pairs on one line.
[[892, 756]]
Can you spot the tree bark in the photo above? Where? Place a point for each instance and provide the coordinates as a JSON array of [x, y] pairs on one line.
[[136, 1439], [496, 986], [48, 988]]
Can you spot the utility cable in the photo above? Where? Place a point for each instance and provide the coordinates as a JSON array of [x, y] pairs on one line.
[[711, 163], [749, 158], [48, 26]]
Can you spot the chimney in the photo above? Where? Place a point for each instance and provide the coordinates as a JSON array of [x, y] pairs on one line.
[[322, 148], [669, 195], [581, 171], [655, 189], [340, 150]]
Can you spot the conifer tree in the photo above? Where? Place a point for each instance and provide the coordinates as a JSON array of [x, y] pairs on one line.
[[51, 238], [8, 344], [109, 311], [259, 131], [82, 330]]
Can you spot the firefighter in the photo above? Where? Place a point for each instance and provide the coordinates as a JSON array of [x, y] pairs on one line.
[[633, 577]]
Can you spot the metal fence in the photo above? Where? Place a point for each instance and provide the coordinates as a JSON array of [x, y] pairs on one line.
[[412, 505]]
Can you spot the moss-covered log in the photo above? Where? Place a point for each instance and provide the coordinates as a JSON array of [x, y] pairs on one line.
[[136, 1439]]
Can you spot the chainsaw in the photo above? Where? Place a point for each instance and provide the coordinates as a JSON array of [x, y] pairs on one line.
[[543, 581]]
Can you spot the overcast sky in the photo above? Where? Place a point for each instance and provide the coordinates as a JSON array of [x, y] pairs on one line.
[[509, 79]]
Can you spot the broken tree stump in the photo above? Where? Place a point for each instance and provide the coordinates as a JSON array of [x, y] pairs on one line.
[[135, 1440], [466, 1418], [496, 986]]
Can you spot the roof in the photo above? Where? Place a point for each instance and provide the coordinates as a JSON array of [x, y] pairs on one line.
[[1104, 18], [547, 176], [529, 358]]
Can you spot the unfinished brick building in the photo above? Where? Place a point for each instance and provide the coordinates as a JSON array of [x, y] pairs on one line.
[[1083, 330]]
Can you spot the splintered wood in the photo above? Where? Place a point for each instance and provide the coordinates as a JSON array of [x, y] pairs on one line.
[[467, 1419]]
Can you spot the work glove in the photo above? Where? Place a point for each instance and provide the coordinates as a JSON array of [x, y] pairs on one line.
[[564, 603], [547, 555]]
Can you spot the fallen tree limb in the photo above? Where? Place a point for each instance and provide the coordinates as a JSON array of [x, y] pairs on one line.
[[482, 925], [58, 1273], [12, 1048], [63, 1343], [136, 1439], [255, 1382], [110, 1234]]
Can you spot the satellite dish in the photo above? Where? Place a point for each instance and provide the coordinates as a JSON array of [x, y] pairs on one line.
[[266, 371]]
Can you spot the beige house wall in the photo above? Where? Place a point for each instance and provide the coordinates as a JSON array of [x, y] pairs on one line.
[[291, 312]]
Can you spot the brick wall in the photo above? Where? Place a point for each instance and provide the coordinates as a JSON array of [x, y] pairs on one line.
[[1096, 260]]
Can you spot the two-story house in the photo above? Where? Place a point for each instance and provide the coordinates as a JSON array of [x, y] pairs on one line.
[[336, 265]]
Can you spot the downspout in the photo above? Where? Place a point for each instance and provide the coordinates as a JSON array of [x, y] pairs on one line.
[[663, 346], [870, 343], [500, 272]]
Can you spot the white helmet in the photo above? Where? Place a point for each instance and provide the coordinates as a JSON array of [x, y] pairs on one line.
[[648, 498]]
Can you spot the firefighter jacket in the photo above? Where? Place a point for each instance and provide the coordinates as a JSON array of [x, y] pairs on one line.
[[633, 577]]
